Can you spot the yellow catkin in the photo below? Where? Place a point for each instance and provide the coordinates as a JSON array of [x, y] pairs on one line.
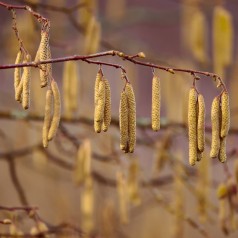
[[96, 86], [236, 171], [131, 117], [47, 118], [155, 113], [17, 71], [57, 111], [222, 152], [87, 205], [44, 54], [123, 122], [133, 183], [225, 114], [198, 36], [83, 162], [201, 123], [215, 119], [99, 107], [123, 198], [107, 109], [192, 126], [26, 77]]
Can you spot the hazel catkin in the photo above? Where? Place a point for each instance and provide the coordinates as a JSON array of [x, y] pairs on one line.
[[17, 71], [57, 111], [99, 107], [192, 126], [155, 114], [44, 54], [26, 77], [123, 122], [107, 108], [225, 114], [47, 118], [222, 153], [201, 123], [215, 119], [131, 117]]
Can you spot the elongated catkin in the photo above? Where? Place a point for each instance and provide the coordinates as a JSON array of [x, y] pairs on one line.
[[123, 122], [215, 118], [225, 114], [17, 71], [57, 111], [97, 125], [155, 114], [99, 107], [107, 109], [222, 152], [18, 95], [192, 126], [201, 123], [26, 77], [47, 118], [44, 46], [131, 117]]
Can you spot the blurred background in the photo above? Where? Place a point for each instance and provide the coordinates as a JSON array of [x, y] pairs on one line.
[[153, 192]]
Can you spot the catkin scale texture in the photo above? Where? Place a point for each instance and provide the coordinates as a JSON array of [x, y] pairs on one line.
[[44, 46], [17, 71], [222, 152], [47, 118], [123, 122], [57, 111], [131, 117], [96, 86], [215, 119], [201, 123], [192, 126], [155, 114], [26, 77], [107, 109], [99, 106], [225, 114]]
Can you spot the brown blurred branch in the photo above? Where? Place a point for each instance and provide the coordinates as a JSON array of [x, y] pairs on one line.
[[16, 182]]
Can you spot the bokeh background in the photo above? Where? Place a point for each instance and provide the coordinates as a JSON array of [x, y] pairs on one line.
[[170, 198]]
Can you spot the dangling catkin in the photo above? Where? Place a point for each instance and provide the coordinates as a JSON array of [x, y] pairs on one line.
[[47, 118], [26, 77], [225, 114], [131, 117], [44, 46], [107, 109], [123, 122], [99, 107], [57, 111], [96, 86], [215, 119], [201, 123], [17, 71], [192, 126], [222, 152], [155, 114]]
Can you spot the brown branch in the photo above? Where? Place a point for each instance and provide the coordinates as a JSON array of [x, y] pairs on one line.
[[24, 208], [16, 182]]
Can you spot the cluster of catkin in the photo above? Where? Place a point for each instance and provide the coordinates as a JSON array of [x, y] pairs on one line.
[[22, 80], [102, 101], [196, 126], [220, 117], [127, 119]]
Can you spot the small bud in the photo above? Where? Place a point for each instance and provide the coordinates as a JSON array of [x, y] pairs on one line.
[[141, 54], [171, 71], [222, 191], [7, 221], [121, 54]]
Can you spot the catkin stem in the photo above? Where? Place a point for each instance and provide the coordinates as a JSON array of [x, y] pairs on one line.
[[57, 111]]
